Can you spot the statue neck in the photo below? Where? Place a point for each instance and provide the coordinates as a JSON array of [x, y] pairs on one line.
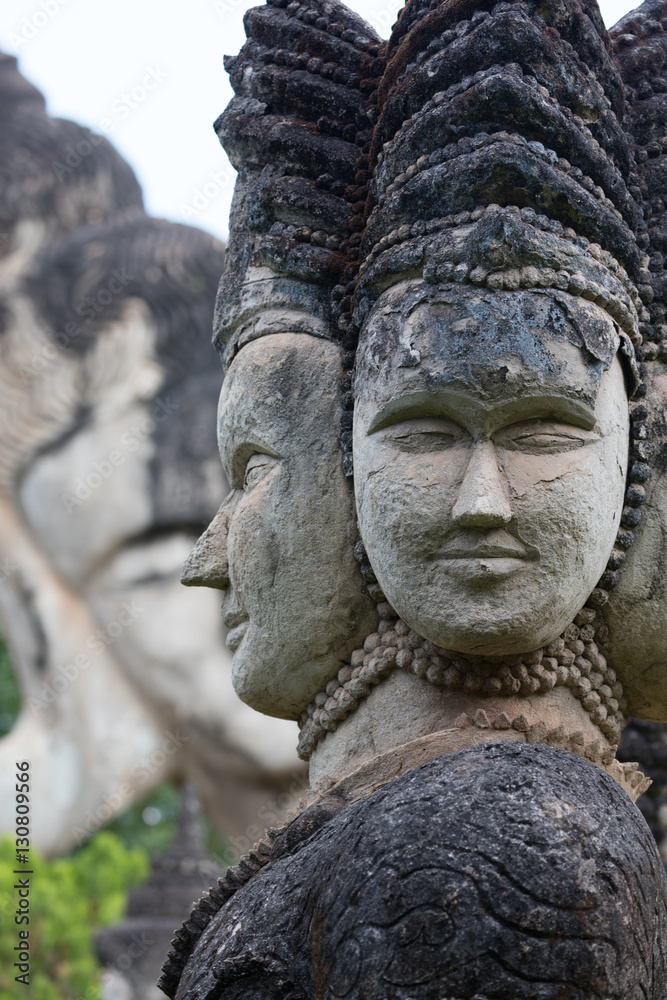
[[406, 721]]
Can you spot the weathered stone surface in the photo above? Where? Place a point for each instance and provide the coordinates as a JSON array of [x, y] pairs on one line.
[[503, 871], [294, 599], [490, 461]]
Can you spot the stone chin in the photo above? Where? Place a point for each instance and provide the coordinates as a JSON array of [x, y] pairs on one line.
[[491, 626], [490, 453]]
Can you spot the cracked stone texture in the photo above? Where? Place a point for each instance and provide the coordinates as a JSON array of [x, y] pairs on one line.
[[468, 470]]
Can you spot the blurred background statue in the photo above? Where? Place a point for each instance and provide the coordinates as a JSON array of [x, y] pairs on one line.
[[108, 471]]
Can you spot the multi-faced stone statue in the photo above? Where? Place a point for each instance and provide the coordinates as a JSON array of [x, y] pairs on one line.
[[109, 467], [490, 299]]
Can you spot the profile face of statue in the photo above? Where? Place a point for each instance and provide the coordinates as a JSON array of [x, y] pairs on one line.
[[282, 544], [490, 454]]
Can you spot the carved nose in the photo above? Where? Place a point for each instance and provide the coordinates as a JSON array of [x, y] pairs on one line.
[[207, 565], [483, 500]]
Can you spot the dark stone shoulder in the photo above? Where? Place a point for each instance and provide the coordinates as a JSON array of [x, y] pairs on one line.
[[503, 871], [278, 843]]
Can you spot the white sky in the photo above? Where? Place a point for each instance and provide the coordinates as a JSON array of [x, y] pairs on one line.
[[85, 55]]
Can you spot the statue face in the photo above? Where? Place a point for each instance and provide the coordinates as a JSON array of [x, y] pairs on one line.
[[490, 453], [294, 601]]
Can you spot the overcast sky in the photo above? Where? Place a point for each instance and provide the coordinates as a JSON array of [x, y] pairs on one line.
[[149, 74]]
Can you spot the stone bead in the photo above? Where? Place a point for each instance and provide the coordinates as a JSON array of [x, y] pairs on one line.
[[599, 715], [435, 674], [591, 701], [358, 688], [420, 665], [531, 686], [372, 642]]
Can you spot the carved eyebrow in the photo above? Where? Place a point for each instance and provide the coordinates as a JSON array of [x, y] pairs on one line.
[[242, 452], [463, 409]]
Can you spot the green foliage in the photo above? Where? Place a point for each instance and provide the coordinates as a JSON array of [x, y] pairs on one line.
[[134, 826], [70, 899], [10, 696], [156, 836]]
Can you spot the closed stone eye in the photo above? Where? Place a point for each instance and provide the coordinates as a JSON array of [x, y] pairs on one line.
[[258, 466], [543, 438]]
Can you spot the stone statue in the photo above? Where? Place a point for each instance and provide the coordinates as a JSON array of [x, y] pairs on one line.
[[108, 471], [456, 209], [131, 951]]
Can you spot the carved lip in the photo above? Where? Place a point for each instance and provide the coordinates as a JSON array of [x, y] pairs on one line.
[[233, 617], [501, 545], [486, 552], [235, 636], [484, 569], [487, 559], [236, 620]]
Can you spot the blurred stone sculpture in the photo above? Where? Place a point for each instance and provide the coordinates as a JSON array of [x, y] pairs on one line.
[[647, 742], [455, 209], [131, 951], [108, 470]]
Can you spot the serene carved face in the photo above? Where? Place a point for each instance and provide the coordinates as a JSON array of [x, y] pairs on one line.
[[490, 452], [282, 545]]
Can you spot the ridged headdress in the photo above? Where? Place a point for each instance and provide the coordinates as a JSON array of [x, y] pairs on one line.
[[296, 131]]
